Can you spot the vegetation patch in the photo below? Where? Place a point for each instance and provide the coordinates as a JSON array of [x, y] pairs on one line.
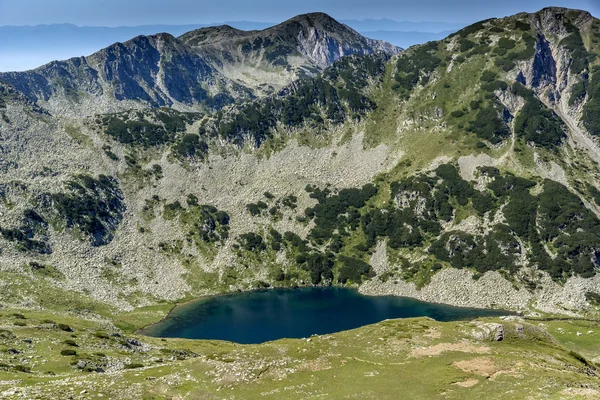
[[330, 98], [92, 206], [146, 128], [535, 123], [415, 67]]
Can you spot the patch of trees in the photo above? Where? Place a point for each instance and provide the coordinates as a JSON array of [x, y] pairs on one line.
[[506, 59], [255, 209], [277, 54], [31, 235], [535, 123], [580, 58], [276, 239], [488, 76], [471, 29], [555, 219], [140, 132], [488, 125], [337, 211], [210, 224], [578, 91], [594, 194], [252, 242], [571, 228], [318, 264], [477, 50], [522, 25], [354, 270], [466, 45], [421, 202], [204, 223], [161, 127], [506, 43], [192, 146], [357, 71], [332, 97], [497, 250], [415, 68], [94, 206], [24, 238], [591, 109]]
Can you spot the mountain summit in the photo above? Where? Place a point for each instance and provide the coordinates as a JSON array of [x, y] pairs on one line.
[[203, 69]]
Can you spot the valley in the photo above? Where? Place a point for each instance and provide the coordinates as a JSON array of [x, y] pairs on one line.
[[463, 171]]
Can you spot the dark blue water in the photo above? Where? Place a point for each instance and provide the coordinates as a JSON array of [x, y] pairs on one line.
[[257, 317]]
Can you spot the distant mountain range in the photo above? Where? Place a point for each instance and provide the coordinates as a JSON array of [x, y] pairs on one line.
[[27, 47]]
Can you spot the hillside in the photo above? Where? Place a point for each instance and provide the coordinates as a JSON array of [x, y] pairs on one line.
[[463, 171]]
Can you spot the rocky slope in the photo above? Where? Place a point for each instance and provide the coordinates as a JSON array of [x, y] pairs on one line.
[[274, 57], [463, 171]]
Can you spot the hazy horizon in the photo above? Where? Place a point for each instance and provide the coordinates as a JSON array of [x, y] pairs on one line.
[[35, 32], [116, 13]]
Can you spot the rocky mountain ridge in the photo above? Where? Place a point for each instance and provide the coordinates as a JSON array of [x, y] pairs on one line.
[[197, 71], [303, 46]]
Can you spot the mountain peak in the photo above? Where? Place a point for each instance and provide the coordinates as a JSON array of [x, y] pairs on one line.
[[317, 20], [316, 17], [211, 35]]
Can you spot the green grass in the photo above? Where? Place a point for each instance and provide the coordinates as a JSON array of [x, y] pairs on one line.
[[376, 361], [77, 135]]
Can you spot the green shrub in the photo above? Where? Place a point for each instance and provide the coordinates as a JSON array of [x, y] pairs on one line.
[[354, 270], [465, 45], [191, 146], [488, 76], [133, 366], [252, 242], [101, 335], [593, 298], [22, 368], [68, 352], [256, 209], [65, 327], [290, 201], [578, 92], [471, 29]]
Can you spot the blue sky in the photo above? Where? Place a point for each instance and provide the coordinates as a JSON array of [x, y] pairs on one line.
[[139, 12]]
